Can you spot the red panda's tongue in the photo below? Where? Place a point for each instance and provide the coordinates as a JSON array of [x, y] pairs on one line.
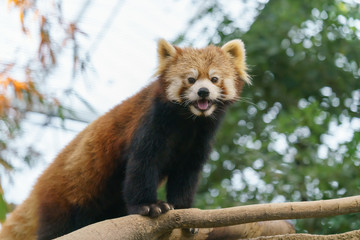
[[203, 104]]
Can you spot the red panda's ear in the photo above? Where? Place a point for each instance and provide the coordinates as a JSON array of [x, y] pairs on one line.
[[166, 52], [236, 50]]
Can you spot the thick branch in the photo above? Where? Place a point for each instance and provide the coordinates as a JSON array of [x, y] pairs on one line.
[[302, 236], [138, 227], [247, 230]]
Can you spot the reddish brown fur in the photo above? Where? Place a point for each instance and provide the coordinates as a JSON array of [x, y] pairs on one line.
[[212, 54], [80, 171], [100, 140]]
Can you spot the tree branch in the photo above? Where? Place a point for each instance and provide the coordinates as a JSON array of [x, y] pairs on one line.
[[138, 227], [302, 236]]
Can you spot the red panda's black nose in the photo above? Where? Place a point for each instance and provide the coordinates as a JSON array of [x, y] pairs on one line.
[[203, 92]]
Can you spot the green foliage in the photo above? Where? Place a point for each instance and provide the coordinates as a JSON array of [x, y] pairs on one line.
[[3, 209], [278, 144], [3, 206]]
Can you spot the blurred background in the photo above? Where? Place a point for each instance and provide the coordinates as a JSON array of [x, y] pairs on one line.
[[293, 136]]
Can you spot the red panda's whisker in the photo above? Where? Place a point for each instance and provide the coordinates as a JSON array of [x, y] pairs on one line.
[[235, 98], [186, 103], [247, 100]]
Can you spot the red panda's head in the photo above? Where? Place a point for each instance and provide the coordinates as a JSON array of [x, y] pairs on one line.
[[201, 79]]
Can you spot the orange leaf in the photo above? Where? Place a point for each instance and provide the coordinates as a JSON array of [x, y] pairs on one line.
[[22, 16], [5, 82], [19, 85], [4, 104], [19, 95]]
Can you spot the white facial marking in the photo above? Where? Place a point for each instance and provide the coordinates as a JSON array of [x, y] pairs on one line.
[[206, 113], [229, 86], [212, 73], [209, 111], [173, 89], [192, 92], [193, 73], [195, 111]]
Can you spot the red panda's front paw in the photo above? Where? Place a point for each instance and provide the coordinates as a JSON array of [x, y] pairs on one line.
[[151, 210]]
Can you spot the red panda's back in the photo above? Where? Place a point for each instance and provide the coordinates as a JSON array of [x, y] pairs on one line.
[[80, 171]]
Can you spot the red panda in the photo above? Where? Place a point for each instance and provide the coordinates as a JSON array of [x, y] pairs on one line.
[[115, 165]]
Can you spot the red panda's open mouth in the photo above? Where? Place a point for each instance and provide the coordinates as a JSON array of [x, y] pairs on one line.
[[203, 104]]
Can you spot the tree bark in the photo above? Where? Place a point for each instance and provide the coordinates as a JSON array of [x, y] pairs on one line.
[[139, 227], [301, 236], [241, 231]]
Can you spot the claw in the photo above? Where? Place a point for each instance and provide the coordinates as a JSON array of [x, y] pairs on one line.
[[151, 210]]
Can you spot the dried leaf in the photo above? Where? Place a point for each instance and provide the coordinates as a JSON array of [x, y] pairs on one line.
[[4, 105], [22, 17], [18, 86], [5, 83], [6, 165]]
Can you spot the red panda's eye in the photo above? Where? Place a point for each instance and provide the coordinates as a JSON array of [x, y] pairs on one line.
[[214, 79], [191, 80]]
